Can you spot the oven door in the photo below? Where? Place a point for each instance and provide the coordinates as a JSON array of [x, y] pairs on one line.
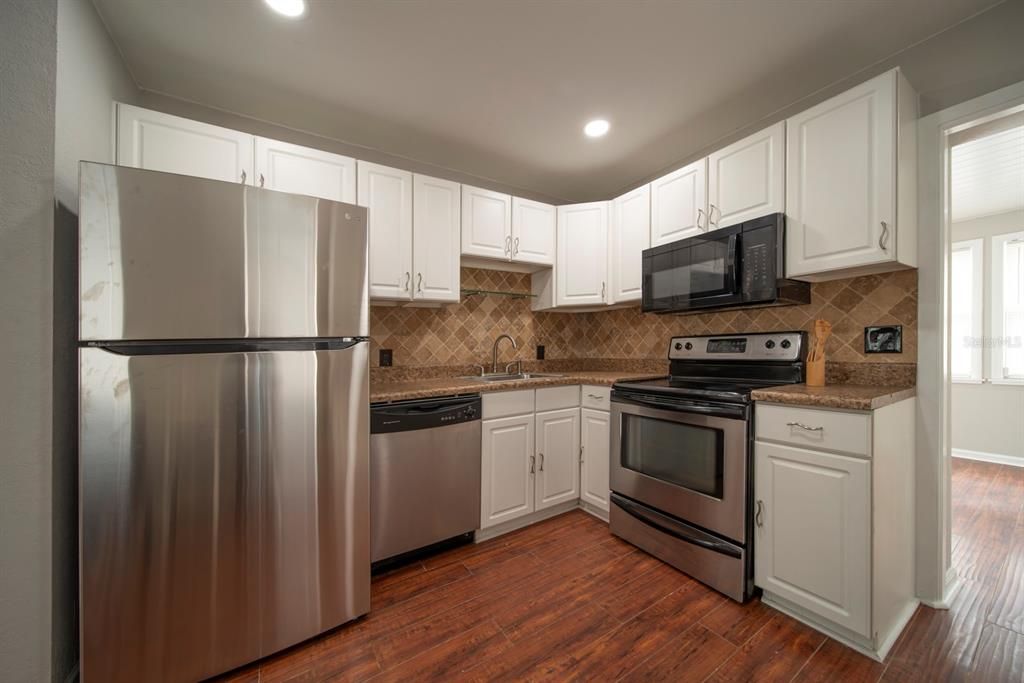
[[684, 458], [697, 272]]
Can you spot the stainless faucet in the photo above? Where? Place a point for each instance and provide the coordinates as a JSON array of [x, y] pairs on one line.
[[494, 351]]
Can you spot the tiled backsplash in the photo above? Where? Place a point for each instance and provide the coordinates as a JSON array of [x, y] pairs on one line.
[[463, 333]]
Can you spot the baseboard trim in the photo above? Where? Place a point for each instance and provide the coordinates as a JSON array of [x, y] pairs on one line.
[[594, 510], [848, 638], [949, 589], [996, 458], [525, 520]]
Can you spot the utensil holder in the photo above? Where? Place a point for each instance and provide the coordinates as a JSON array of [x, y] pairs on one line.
[[816, 372]]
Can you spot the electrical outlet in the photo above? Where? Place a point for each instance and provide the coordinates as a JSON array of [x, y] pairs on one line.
[[385, 358], [540, 352]]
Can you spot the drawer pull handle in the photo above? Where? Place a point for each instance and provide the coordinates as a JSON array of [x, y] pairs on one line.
[[759, 515], [805, 427], [596, 397]]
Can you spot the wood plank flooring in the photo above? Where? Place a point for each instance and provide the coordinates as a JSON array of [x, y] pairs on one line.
[[565, 600]]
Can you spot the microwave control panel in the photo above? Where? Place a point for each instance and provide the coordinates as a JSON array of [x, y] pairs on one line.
[[759, 258]]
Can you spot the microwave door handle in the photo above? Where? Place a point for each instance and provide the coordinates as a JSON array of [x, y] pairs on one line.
[[730, 263]]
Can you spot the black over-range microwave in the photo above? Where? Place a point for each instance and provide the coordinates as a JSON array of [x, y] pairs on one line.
[[743, 265]]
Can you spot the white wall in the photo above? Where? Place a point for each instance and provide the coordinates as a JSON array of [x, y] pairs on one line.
[[28, 52], [988, 418]]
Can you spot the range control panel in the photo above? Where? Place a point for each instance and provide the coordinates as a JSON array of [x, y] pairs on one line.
[[773, 346]]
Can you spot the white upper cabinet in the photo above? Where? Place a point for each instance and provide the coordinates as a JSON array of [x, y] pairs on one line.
[[747, 179], [533, 232], [629, 235], [679, 204], [303, 170], [486, 223], [558, 448], [435, 220], [850, 182], [161, 142], [387, 194], [582, 245]]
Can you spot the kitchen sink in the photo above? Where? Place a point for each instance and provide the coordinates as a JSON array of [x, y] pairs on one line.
[[513, 377]]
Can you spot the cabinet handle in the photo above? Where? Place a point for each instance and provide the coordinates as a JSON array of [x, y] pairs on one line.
[[883, 239], [408, 279], [515, 248], [711, 215], [533, 461], [541, 462], [508, 244], [243, 177], [700, 214], [805, 427], [419, 282], [581, 455], [596, 397], [261, 180], [602, 291], [759, 515]]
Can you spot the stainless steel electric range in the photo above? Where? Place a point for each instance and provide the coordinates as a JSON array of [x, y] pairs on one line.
[[682, 453]]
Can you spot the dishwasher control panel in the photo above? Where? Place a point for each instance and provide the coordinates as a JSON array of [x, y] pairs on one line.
[[427, 413]]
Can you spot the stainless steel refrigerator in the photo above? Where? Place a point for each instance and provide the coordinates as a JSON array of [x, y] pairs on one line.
[[223, 422]]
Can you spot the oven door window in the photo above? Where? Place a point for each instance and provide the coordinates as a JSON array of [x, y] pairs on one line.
[[681, 454]]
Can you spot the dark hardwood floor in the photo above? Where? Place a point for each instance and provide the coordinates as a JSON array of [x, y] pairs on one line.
[[565, 600]]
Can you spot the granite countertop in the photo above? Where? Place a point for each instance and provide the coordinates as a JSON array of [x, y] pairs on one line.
[[844, 396], [453, 386]]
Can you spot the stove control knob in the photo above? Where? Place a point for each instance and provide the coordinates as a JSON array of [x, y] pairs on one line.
[[470, 413], [769, 344], [689, 346], [678, 346], [786, 343]]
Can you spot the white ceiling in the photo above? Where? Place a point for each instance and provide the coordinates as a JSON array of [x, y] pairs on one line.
[[501, 88], [987, 174]]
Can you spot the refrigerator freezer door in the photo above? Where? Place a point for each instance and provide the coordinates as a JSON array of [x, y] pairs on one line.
[[166, 257], [224, 507]]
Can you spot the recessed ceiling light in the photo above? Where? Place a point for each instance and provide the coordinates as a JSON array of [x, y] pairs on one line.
[[289, 8], [596, 128]]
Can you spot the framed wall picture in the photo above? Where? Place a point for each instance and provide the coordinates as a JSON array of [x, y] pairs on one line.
[[883, 339]]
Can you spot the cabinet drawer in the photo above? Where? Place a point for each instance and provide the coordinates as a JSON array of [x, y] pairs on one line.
[[597, 397], [814, 428], [554, 398], [505, 403]]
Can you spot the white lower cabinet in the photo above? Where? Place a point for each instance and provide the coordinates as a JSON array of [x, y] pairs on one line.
[[506, 469], [833, 532], [813, 533], [595, 442], [558, 447]]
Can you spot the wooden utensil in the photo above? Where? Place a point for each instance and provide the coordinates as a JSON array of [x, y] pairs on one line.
[[816, 357]]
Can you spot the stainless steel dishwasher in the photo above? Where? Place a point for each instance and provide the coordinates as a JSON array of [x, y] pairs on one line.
[[424, 473]]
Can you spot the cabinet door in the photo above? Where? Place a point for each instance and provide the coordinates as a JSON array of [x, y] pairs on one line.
[[841, 181], [747, 179], [387, 193], [630, 234], [506, 469], [678, 204], [558, 457], [533, 232], [812, 531], [161, 142], [581, 277], [486, 223], [435, 254], [595, 441], [303, 170]]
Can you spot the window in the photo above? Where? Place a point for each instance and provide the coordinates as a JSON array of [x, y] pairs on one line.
[[1008, 307], [966, 327]]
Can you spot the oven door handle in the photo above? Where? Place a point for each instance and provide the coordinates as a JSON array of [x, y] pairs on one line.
[[675, 528], [681, 405]]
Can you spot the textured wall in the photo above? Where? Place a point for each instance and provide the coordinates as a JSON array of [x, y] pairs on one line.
[[28, 52], [463, 333]]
